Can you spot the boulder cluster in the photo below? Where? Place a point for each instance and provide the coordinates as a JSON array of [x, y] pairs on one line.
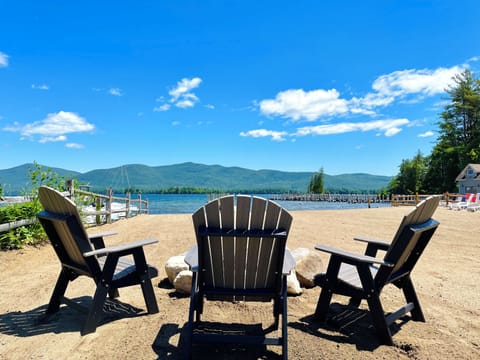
[[308, 264]]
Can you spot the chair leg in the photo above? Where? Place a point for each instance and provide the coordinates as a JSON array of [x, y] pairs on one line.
[[411, 297], [103, 287], [149, 296], [354, 302], [58, 292], [326, 294], [113, 293], [284, 321], [276, 311], [374, 304], [378, 317], [145, 281], [95, 312], [191, 311]]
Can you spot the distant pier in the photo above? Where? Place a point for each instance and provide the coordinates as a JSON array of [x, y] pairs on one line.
[[348, 198]]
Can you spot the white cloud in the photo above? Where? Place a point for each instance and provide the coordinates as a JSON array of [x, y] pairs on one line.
[[74, 146], [54, 127], [163, 107], [259, 133], [184, 87], [46, 139], [181, 96], [40, 87], [210, 106], [3, 60], [426, 134], [183, 104], [388, 127], [115, 92], [427, 82], [297, 104]]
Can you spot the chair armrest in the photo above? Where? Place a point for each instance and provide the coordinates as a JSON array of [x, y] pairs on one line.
[[191, 258], [379, 244], [289, 262], [97, 238], [120, 248], [352, 256], [102, 234]]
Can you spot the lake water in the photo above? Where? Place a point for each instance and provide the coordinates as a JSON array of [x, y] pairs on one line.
[[188, 203]]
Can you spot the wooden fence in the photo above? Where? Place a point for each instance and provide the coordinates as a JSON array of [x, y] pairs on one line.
[[105, 208], [414, 199], [94, 208]]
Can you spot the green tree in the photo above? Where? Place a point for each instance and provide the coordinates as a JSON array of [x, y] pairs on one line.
[[317, 182], [33, 233], [458, 143], [411, 176]]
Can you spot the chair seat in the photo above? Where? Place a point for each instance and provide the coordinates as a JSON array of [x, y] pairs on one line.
[[126, 267], [347, 276]]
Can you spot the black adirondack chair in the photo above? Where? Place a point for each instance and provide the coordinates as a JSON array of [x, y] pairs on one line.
[[240, 255], [364, 276], [80, 254]]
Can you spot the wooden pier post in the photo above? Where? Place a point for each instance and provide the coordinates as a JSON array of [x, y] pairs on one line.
[[127, 206], [108, 205]]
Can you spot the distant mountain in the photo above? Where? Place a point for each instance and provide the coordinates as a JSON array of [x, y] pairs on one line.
[[191, 175], [16, 179]]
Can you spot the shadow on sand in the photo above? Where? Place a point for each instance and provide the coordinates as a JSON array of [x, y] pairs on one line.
[[67, 319], [346, 325]]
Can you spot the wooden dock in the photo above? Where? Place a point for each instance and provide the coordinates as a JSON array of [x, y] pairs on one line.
[[348, 198]]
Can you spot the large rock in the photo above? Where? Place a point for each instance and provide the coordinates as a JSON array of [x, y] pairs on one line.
[[183, 282], [293, 286], [309, 264], [175, 265]]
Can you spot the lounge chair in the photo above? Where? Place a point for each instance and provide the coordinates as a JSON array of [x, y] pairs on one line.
[[461, 205], [475, 204], [240, 255], [107, 266], [364, 276]]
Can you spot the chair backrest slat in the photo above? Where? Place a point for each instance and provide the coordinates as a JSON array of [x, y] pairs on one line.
[[214, 262], [64, 227], [409, 241], [253, 252], [236, 258]]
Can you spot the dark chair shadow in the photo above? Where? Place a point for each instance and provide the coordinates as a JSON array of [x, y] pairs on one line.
[[67, 319], [165, 284], [165, 350], [352, 325]]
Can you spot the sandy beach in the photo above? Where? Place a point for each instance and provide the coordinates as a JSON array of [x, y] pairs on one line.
[[446, 279]]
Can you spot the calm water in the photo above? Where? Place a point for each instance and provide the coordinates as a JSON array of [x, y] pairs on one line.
[[188, 203]]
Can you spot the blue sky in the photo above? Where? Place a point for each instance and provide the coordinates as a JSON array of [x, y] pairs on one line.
[[350, 86]]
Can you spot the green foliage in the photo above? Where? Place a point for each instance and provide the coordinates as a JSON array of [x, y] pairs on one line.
[[317, 182], [29, 234], [411, 177], [458, 143], [23, 235]]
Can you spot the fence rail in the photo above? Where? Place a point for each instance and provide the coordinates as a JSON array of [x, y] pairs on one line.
[[414, 199], [96, 208], [108, 207]]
